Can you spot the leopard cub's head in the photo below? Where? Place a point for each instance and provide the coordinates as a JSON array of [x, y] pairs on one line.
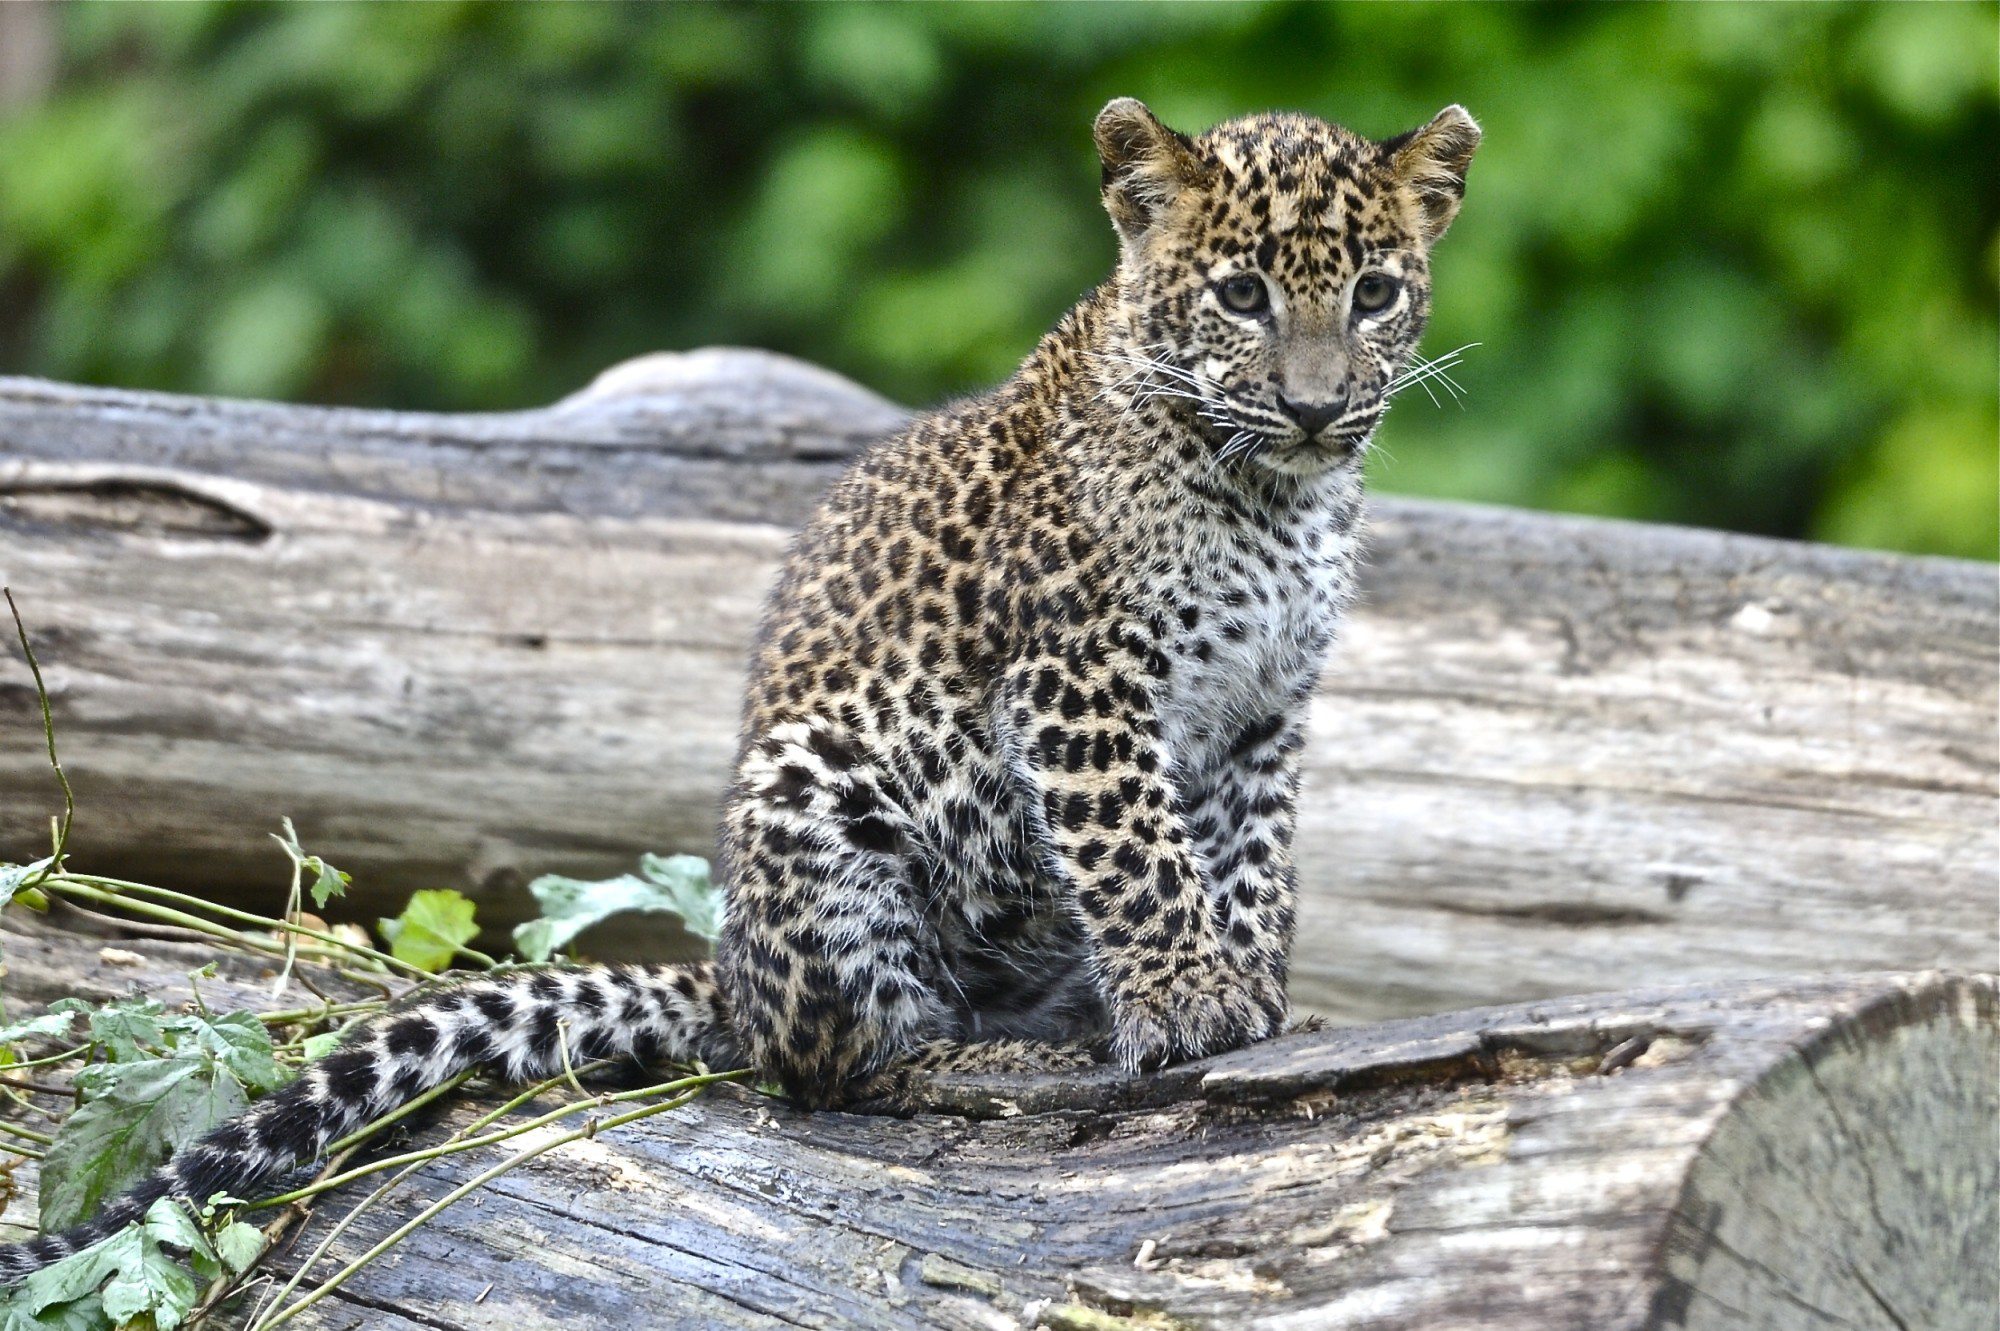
[[1274, 272]]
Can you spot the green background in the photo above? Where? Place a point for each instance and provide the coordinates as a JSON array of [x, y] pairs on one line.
[[1728, 264]]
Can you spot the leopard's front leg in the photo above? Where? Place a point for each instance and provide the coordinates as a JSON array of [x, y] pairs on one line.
[[1089, 744], [1242, 821]]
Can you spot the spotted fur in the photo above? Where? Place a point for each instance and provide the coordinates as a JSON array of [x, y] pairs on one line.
[[1020, 749]]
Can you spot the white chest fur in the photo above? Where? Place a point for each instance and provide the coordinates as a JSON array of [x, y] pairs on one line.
[[1265, 613]]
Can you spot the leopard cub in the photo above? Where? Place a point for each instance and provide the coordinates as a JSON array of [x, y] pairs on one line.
[[1020, 752]]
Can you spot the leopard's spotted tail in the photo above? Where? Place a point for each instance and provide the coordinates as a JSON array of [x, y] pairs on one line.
[[519, 1026]]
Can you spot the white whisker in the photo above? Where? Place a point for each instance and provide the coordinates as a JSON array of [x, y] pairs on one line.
[[1155, 366], [1423, 372]]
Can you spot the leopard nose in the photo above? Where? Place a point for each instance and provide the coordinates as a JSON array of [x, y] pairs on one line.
[[1315, 416]]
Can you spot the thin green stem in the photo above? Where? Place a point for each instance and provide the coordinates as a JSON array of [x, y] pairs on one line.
[[521, 1157], [118, 888], [324, 1012], [14, 1084], [75, 885], [46, 1059], [477, 957], [311, 1259], [388, 1185], [194, 988], [294, 906], [296, 1047], [348, 1142], [29, 1134], [49, 734], [462, 1144], [378, 1126], [67, 886], [562, 1047], [520, 1097]]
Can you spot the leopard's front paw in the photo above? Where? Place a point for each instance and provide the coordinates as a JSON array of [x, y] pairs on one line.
[[1193, 1013], [1267, 991]]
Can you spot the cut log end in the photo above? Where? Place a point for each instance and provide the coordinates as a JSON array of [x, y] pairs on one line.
[[1855, 1184]]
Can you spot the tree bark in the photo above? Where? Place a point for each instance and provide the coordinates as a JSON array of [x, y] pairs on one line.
[[1552, 754], [1786, 1155]]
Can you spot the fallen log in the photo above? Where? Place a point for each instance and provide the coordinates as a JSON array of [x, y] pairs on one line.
[[1788, 1155], [1552, 754]]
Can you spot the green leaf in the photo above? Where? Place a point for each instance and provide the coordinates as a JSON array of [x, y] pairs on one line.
[[236, 1040], [85, 1314], [127, 1276], [289, 839], [48, 1026], [328, 882], [319, 1046], [238, 1246], [676, 885], [156, 1283], [431, 929], [686, 881], [74, 1280], [136, 1115], [128, 1030], [13, 877], [536, 939], [168, 1222]]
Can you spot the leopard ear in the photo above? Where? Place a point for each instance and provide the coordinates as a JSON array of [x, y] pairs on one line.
[[1431, 164], [1145, 165]]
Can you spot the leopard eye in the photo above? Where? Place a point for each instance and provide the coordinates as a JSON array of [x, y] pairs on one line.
[[1245, 293], [1373, 292]]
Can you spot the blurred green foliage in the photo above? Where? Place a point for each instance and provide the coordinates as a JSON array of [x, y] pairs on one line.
[[1729, 264]]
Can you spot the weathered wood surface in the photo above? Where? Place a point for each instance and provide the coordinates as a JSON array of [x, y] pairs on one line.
[[1552, 754], [1789, 1155]]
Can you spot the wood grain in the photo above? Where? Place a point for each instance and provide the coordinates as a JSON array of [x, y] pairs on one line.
[[1552, 753], [1804, 1153]]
